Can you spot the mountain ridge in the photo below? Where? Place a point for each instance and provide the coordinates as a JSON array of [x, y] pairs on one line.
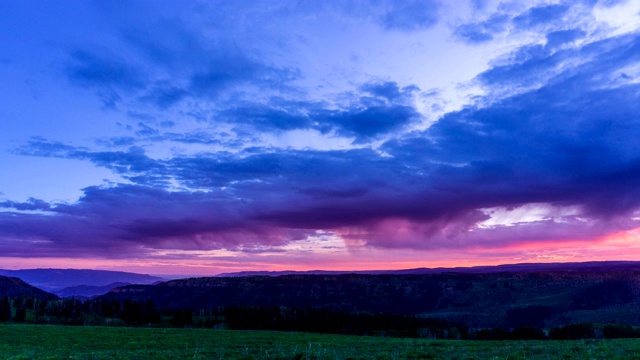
[[15, 287], [516, 267], [88, 291], [52, 280]]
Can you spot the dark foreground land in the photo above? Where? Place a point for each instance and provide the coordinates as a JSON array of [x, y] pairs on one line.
[[24, 341]]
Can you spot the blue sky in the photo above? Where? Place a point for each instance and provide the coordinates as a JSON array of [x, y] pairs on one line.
[[208, 136]]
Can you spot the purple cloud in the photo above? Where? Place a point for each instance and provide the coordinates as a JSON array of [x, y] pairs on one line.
[[555, 128]]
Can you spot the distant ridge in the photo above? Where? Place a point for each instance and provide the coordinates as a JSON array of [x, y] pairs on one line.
[[53, 280], [14, 287], [88, 291], [517, 268]]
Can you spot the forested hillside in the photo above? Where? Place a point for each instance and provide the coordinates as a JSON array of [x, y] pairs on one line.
[[478, 300]]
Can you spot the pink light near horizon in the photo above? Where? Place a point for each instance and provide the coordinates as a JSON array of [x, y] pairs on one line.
[[624, 245]]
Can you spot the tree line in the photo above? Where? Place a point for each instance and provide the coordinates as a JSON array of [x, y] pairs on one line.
[[280, 318]]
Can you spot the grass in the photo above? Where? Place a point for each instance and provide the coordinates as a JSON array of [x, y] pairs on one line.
[[19, 341]]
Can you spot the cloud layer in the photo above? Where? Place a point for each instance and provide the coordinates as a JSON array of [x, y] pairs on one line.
[[549, 144]]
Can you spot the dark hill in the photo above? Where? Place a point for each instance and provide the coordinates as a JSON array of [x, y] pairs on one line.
[[14, 287], [509, 299], [349, 292]]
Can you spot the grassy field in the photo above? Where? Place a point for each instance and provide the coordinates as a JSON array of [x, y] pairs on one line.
[[67, 342]]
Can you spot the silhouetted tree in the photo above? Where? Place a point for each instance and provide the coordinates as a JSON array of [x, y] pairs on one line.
[[618, 331], [573, 332], [21, 314], [182, 318], [528, 333], [5, 309]]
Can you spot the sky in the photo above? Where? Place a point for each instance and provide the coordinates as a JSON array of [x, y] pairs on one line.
[[200, 137]]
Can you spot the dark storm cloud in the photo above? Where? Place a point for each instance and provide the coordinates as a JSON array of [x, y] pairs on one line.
[[39, 146], [367, 124], [390, 91], [540, 15], [89, 69], [145, 130], [541, 19], [118, 221], [107, 75], [164, 95], [223, 69], [117, 141], [377, 109], [534, 149], [482, 31], [535, 65], [230, 67], [265, 117], [167, 41], [200, 69], [30, 205], [561, 37], [568, 142]]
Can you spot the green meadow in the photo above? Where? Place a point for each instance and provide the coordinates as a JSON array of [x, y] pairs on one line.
[[22, 341]]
